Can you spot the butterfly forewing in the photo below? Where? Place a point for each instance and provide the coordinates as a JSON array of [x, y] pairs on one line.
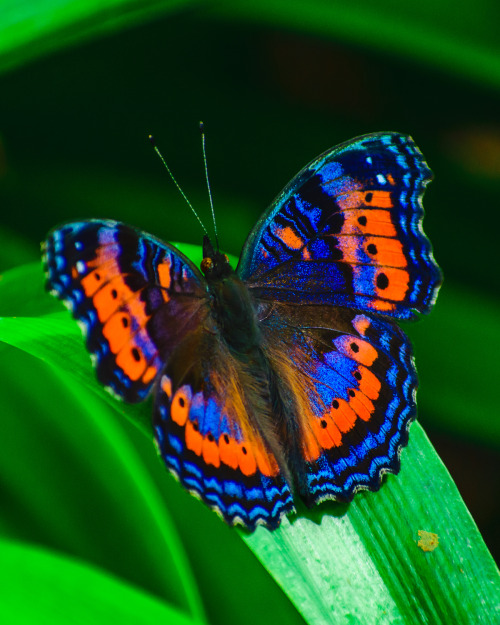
[[133, 296], [347, 231]]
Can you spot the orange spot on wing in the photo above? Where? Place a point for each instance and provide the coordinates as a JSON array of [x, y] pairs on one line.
[[109, 298], [357, 349], [181, 402], [361, 324], [355, 199], [92, 282], [132, 362], [117, 331], [368, 221], [344, 416], [369, 384], [362, 406], [306, 254], [165, 277], [382, 306], [389, 251], [289, 237], [228, 451], [166, 386], [149, 374], [326, 432], [210, 452], [104, 270], [381, 199], [397, 288], [194, 440], [246, 459], [390, 179]]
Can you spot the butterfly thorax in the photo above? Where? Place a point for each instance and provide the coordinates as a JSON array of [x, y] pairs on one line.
[[232, 306]]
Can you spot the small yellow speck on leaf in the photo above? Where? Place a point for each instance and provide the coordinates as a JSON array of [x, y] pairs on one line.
[[428, 540]]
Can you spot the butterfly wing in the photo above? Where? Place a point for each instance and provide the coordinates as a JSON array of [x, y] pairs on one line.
[[206, 435], [347, 231], [353, 382], [134, 296]]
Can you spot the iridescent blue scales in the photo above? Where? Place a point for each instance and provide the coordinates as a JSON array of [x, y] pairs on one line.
[[354, 214], [289, 377]]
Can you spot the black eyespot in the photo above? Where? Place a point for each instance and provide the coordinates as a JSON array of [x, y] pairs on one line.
[[357, 375], [210, 437], [114, 293], [382, 281], [355, 347], [369, 197], [196, 427], [182, 402], [244, 450], [97, 276], [351, 392], [335, 404], [371, 249], [362, 220], [136, 354], [226, 438], [125, 322], [323, 423]]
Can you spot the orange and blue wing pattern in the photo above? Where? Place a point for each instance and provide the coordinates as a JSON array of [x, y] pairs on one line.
[[206, 436], [289, 377], [132, 295], [347, 231], [354, 382]]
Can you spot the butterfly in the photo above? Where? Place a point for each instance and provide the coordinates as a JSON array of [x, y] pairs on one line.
[[287, 378]]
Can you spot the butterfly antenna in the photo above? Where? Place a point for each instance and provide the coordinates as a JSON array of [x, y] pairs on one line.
[[155, 147], [202, 130]]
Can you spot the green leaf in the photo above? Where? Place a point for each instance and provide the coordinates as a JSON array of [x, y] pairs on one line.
[[363, 562], [101, 504], [30, 28], [456, 37], [359, 562], [46, 588]]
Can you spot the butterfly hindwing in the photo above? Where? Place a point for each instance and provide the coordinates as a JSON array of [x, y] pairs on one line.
[[353, 380], [289, 377], [205, 436], [347, 231], [133, 296]]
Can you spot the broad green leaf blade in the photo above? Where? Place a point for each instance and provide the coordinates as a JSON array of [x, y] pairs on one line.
[[31, 28], [362, 563], [74, 482], [454, 36], [45, 588]]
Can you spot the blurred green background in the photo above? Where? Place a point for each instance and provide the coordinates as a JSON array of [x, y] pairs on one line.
[[82, 86]]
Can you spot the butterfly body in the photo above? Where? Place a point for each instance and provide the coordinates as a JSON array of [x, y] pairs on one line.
[[288, 376]]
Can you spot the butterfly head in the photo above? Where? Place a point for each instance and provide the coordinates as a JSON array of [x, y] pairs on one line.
[[215, 265]]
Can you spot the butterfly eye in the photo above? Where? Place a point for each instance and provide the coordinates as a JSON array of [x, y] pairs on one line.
[[206, 265]]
